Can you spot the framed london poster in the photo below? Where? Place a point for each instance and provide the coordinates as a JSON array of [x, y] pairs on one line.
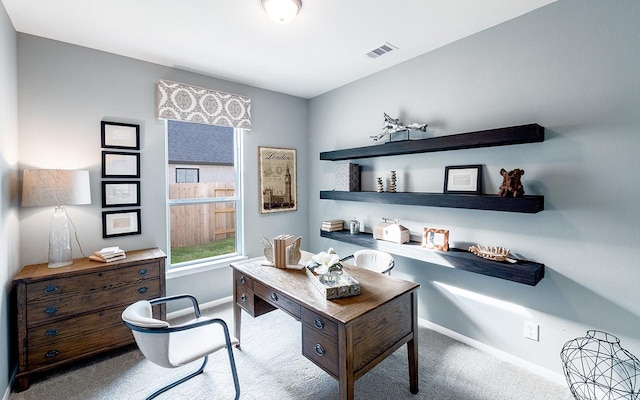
[[278, 179]]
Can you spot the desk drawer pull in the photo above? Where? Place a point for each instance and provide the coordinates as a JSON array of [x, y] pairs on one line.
[[143, 290], [243, 297], [51, 332], [51, 310], [274, 297], [318, 323], [143, 271], [243, 280], [52, 353], [50, 289], [319, 349]]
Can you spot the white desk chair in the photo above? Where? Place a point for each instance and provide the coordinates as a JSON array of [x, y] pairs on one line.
[[375, 260], [174, 346]]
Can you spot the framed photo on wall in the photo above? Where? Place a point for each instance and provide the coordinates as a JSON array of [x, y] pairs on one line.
[[278, 179], [120, 194], [120, 164], [463, 179], [120, 223], [116, 135]]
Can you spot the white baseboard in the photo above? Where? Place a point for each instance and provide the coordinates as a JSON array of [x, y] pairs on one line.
[[504, 356], [189, 310]]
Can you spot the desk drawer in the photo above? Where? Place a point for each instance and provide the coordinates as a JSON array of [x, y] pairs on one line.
[[277, 299], [320, 349], [320, 323]]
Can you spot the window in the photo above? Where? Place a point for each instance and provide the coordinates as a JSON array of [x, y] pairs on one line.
[[204, 193], [187, 175]]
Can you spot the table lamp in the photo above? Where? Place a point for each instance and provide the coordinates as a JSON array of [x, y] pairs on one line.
[[59, 188]]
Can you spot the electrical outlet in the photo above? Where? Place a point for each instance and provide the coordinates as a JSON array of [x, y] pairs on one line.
[[531, 330]]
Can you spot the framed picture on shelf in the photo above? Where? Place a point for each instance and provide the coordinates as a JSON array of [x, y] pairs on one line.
[[120, 223], [278, 179], [120, 194], [463, 179], [436, 239], [120, 164], [116, 135]]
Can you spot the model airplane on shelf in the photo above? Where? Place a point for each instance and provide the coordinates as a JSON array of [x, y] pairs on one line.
[[393, 125]]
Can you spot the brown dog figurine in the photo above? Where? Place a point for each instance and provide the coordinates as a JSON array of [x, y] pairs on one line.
[[511, 183]]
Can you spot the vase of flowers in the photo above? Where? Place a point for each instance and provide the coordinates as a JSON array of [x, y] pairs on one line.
[[327, 266]]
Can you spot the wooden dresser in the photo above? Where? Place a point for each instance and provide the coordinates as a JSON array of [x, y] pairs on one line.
[[70, 313]]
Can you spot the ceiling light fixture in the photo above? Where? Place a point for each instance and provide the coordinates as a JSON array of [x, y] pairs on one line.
[[282, 11]]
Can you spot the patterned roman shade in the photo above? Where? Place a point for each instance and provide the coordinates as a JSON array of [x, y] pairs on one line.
[[180, 102]]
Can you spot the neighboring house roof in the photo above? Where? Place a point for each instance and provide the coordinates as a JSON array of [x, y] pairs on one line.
[[191, 143]]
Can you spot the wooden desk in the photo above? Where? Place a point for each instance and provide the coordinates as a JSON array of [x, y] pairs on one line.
[[345, 337]]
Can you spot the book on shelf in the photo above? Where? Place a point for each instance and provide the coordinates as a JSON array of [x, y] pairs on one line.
[[332, 225]]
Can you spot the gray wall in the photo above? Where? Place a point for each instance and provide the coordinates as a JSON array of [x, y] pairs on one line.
[[573, 67], [66, 90], [9, 228]]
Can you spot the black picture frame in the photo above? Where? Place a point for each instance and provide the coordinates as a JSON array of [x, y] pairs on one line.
[[119, 164], [118, 135], [463, 179], [121, 223], [120, 194]]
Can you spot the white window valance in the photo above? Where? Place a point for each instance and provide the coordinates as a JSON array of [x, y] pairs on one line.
[[181, 102]]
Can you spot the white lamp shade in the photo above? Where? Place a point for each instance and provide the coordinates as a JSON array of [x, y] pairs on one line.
[[282, 11], [55, 187]]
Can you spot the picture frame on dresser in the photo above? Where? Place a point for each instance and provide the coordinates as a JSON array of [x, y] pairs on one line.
[[118, 164], [463, 179], [118, 135], [120, 194], [121, 223]]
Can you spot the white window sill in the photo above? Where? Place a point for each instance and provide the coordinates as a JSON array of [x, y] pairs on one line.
[[178, 272]]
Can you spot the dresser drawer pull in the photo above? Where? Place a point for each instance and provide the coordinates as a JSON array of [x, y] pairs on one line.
[[50, 289], [51, 310], [243, 280], [100, 274], [319, 324], [243, 297], [143, 271], [52, 353], [143, 290], [274, 297], [51, 332], [319, 349]]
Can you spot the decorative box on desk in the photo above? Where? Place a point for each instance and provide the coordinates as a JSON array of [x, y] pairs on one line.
[[70, 313], [347, 178], [345, 285]]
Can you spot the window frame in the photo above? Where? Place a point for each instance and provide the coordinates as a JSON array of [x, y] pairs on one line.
[[204, 264]]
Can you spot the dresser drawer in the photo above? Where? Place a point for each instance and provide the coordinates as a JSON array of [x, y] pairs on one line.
[[320, 323], [244, 296], [114, 293], [277, 299], [320, 349], [74, 337]]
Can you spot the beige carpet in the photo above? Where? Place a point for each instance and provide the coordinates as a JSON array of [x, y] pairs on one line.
[[270, 366]]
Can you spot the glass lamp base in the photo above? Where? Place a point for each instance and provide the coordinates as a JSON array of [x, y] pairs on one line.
[[60, 240]]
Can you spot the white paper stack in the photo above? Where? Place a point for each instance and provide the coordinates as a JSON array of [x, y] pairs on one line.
[[108, 254]]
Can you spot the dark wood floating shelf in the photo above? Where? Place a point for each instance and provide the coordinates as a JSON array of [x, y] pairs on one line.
[[530, 133], [526, 272], [526, 204]]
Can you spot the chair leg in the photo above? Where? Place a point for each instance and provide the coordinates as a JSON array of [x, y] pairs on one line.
[[179, 381], [234, 373]]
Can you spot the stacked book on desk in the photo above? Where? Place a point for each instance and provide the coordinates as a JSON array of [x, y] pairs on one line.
[[332, 225], [280, 244], [108, 254]]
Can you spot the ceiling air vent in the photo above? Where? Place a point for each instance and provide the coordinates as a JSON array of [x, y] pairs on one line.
[[381, 50]]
